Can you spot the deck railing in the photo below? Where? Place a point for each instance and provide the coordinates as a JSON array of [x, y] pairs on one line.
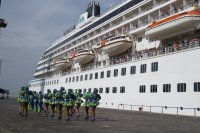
[[141, 107]]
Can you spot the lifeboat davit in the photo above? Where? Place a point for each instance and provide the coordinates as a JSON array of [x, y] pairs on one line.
[[115, 45], [174, 25], [82, 56], [62, 64]]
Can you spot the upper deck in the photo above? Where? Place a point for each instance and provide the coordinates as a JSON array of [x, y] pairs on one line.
[[133, 19]]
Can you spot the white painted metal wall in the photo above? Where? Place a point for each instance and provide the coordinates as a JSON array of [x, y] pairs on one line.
[[181, 67]]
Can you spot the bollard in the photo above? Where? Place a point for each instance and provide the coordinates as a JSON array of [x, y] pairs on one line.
[[177, 111], [194, 113]]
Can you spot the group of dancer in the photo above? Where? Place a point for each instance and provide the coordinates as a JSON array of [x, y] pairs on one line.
[[57, 100]]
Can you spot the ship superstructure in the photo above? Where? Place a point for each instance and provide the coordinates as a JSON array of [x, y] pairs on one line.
[[139, 52]]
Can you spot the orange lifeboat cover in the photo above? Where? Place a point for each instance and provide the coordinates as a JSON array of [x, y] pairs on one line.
[[194, 12], [103, 43], [73, 54]]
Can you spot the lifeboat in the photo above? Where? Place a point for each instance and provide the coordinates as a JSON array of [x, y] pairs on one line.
[[115, 45], [83, 56], [174, 25], [62, 64]]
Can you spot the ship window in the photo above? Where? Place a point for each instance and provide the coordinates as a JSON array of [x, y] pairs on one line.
[[100, 90], [107, 89], [114, 90], [115, 72], [95, 89], [90, 90], [153, 88], [143, 68], [108, 73], [142, 88], [123, 71], [102, 74], [85, 90], [96, 75], [104, 63], [181, 87], [122, 89], [197, 87], [86, 76], [154, 66], [70, 79], [91, 75], [77, 78], [81, 78], [139, 39], [73, 79], [166, 87], [133, 70]]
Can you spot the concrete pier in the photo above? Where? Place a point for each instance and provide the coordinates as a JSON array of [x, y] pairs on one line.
[[107, 121]]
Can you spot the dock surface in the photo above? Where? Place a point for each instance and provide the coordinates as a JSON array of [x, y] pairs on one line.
[[107, 121]]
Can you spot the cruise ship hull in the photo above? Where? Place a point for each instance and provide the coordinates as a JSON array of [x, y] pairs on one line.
[[173, 68]]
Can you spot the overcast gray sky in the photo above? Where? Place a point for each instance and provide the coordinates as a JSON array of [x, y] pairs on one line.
[[33, 25]]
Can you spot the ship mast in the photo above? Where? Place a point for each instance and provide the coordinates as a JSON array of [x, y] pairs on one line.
[[3, 24], [0, 65]]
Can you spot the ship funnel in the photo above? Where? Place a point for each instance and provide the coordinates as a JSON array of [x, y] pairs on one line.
[[93, 9]]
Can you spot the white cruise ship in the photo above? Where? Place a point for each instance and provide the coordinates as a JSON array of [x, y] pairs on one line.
[[140, 54]]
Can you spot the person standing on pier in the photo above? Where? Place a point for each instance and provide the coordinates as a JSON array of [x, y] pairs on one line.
[[53, 102], [86, 97], [31, 101], [25, 100], [78, 102], [40, 100], [21, 95], [59, 97], [36, 101], [94, 102], [69, 100], [47, 101]]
